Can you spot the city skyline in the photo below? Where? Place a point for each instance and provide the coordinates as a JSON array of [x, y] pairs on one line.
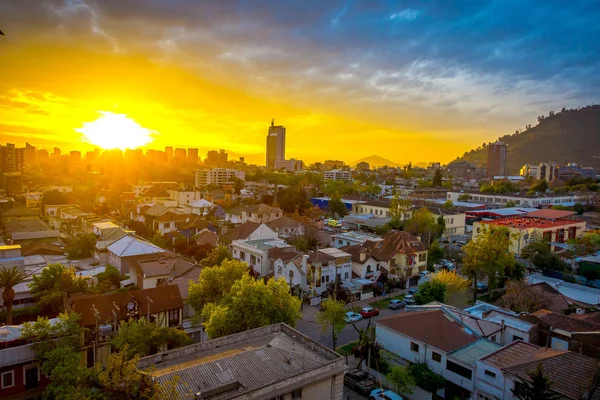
[[439, 77]]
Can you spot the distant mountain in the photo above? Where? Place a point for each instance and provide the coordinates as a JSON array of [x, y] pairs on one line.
[[562, 137], [376, 161]]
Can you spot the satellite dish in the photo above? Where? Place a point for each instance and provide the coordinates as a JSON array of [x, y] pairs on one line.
[[131, 305]]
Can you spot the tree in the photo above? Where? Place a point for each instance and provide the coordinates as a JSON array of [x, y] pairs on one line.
[[578, 208], [56, 281], [487, 255], [305, 243], [422, 223], [398, 208], [139, 228], [448, 204], [437, 178], [540, 186], [431, 291], [251, 304], [402, 379], [520, 298], [336, 291], [464, 197], [434, 253], [217, 256], [54, 197], [120, 378], [81, 246], [456, 286], [510, 204], [336, 206], [108, 279], [159, 240], [214, 283], [441, 225], [426, 378], [238, 185], [368, 348], [332, 315], [141, 338], [538, 252], [9, 278], [537, 387]]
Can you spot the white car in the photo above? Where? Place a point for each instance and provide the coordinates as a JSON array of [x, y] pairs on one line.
[[409, 299], [352, 317]]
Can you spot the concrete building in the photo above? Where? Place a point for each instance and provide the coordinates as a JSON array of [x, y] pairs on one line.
[[275, 144], [291, 165], [192, 157], [184, 197], [548, 171], [351, 238], [12, 158], [255, 253], [217, 176], [271, 362], [539, 200], [363, 166], [572, 170], [337, 175], [496, 159]]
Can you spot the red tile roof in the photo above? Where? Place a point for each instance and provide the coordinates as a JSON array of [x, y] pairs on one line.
[[431, 327], [518, 352], [566, 322], [551, 214], [396, 242], [530, 222]]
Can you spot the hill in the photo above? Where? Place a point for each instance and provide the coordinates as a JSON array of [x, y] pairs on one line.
[[376, 161], [562, 137]]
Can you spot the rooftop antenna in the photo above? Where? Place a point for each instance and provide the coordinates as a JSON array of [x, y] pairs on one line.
[[272, 121]]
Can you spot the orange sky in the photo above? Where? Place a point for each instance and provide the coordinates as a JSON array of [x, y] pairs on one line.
[[63, 69]]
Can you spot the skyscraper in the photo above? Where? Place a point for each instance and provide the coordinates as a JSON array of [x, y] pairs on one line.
[[275, 144], [496, 159]]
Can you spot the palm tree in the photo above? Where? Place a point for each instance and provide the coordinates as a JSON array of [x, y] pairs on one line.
[[9, 278]]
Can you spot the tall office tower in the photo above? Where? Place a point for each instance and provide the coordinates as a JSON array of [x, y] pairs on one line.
[[180, 157], [192, 156], [75, 156], [30, 156], [223, 156], [42, 155], [56, 153], [496, 159], [169, 153], [275, 144], [11, 158]]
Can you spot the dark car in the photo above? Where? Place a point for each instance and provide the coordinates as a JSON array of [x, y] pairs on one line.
[[359, 380], [481, 287], [413, 290], [396, 304]]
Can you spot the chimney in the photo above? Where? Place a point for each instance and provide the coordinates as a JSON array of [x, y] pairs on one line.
[[305, 262], [363, 255], [502, 329]]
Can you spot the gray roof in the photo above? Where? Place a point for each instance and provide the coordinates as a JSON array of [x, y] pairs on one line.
[[579, 293], [475, 351]]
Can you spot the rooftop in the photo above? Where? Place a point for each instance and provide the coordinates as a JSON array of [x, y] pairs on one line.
[[249, 363], [356, 236], [531, 222], [566, 322], [518, 352], [551, 214], [128, 246], [431, 327], [475, 351], [337, 253], [578, 293]]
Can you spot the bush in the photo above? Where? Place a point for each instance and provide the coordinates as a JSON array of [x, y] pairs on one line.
[[110, 274], [426, 378], [18, 313]]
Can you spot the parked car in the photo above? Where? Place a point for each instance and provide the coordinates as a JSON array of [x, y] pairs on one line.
[[380, 394], [413, 290], [423, 274], [396, 304], [368, 312], [360, 380], [409, 299], [352, 317]]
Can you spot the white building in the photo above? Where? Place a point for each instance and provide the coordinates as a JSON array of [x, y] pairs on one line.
[[184, 197], [517, 199], [351, 238], [129, 246], [291, 165], [337, 175], [217, 176], [255, 253]]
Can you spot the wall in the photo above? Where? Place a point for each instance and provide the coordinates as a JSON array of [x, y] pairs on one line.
[[263, 232], [489, 386], [318, 390]]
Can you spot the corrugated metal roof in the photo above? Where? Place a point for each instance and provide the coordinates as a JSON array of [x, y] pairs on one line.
[[129, 246], [573, 291], [475, 351]]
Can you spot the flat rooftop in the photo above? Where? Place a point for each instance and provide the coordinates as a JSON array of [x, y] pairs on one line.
[[243, 363], [356, 236], [530, 222]]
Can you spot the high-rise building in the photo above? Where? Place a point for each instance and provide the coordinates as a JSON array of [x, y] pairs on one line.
[[180, 157], [11, 158], [496, 160], [275, 144], [223, 156], [30, 156], [42, 155], [56, 153], [169, 153], [217, 176], [75, 156], [192, 155]]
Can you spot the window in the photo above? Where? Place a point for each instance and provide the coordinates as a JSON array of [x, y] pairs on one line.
[[436, 356], [482, 397], [252, 259], [173, 317], [291, 275], [242, 255], [414, 347], [422, 257], [8, 379], [297, 394], [515, 338], [31, 376], [489, 373], [458, 369], [325, 279]]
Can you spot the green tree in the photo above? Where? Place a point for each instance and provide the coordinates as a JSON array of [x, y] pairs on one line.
[[448, 204], [487, 255], [336, 206], [579, 208], [540, 186], [159, 240], [120, 378], [426, 378], [81, 246], [537, 387], [333, 315], [539, 254], [108, 279], [55, 282], [398, 208], [434, 253], [422, 223], [402, 379], [217, 256], [437, 178], [464, 197], [441, 225], [510, 204], [251, 304], [214, 283], [54, 198], [431, 291], [139, 337], [9, 278], [238, 185]]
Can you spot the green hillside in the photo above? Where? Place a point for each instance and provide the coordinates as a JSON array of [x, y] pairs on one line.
[[562, 137]]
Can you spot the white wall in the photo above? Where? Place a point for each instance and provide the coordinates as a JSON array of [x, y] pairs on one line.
[[263, 232], [492, 387]]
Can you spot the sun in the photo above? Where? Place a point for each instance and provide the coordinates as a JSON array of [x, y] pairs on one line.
[[115, 131]]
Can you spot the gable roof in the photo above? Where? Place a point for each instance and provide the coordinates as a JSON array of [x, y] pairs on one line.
[[41, 249], [573, 291], [202, 203], [206, 237], [283, 222], [163, 298], [241, 232], [572, 374], [130, 245], [262, 209], [566, 322], [395, 242], [432, 327]]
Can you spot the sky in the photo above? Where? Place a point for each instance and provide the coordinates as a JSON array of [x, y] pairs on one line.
[[407, 80]]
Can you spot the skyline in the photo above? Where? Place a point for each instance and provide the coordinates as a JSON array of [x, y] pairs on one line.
[[433, 80]]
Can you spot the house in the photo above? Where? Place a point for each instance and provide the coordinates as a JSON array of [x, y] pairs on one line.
[[234, 215], [404, 253], [154, 194], [20, 214], [167, 222], [41, 249], [147, 270], [448, 348], [182, 282], [271, 362], [376, 208], [184, 197], [102, 315], [501, 199], [107, 235], [290, 265], [129, 246], [455, 222], [25, 231], [200, 207], [351, 238], [286, 227], [192, 225], [526, 229], [566, 332], [206, 237], [249, 231], [261, 213], [325, 266], [573, 375], [544, 296], [364, 264], [583, 295], [255, 253]]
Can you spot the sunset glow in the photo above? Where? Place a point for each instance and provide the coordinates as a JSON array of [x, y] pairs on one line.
[[115, 131]]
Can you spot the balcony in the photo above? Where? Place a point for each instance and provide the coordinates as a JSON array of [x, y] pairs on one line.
[[17, 355]]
